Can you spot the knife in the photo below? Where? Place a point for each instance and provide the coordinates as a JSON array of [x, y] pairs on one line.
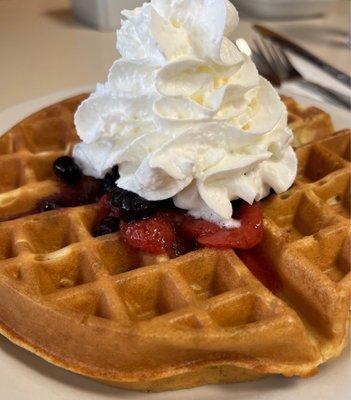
[[288, 44]]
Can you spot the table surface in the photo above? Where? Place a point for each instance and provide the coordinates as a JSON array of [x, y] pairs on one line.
[[44, 49]]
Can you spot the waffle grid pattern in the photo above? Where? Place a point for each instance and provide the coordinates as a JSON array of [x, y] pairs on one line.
[[206, 298], [56, 258], [308, 124], [318, 206], [27, 153]]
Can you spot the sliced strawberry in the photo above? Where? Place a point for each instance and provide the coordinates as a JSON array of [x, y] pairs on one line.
[[175, 217], [248, 235], [183, 244], [152, 235], [194, 228]]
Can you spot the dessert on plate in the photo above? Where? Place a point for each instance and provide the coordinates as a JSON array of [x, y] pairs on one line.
[[163, 233]]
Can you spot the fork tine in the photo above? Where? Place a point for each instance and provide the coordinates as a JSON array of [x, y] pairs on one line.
[[276, 55], [271, 59], [258, 51], [291, 71], [271, 74], [281, 68], [283, 57], [267, 56]]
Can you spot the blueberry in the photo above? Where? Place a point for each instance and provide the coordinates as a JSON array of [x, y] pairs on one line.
[[167, 204], [132, 206], [106, 226], [49, 205], [236, 204], [109, 182], [67, 170], [115, 172]]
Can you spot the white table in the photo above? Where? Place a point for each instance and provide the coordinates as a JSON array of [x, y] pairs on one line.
[[43, 49]]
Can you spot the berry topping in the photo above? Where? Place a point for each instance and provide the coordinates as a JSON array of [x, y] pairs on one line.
[[248, 235], [106, 226], [168, 204], [152, 235], [194, 228], [86, 191], [131, 206], [67, 170], [108, 209], [49, 205], [175, 217], [183, 244], [109, 182], [236, 204]]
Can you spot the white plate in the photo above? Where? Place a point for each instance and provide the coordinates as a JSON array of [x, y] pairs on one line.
[[26, 377]]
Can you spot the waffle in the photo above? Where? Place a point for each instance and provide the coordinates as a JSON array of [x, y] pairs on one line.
[[98, 308], [308, 124], [27, 153]]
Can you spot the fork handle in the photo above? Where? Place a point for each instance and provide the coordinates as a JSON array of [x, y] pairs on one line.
[[331, 95]]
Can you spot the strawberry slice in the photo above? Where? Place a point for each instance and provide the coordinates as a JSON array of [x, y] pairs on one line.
[[248, 235], [194, 228], [152, 235], [175, 217], [183, 243]]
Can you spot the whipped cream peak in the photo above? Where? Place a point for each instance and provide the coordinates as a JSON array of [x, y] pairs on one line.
[[185, 114]]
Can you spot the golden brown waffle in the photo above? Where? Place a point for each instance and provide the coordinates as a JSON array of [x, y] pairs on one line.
[[27, 152], [98, 308], [308, 123], [310, 227]]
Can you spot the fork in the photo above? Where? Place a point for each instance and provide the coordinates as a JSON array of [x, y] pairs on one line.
[[278, 67]]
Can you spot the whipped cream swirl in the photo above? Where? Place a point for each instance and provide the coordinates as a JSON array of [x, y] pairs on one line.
[[185, 114]]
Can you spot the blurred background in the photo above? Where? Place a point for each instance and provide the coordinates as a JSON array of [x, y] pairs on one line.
[[52, 45]]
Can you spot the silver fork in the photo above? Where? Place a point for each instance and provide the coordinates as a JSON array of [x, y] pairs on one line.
[[273, 58]]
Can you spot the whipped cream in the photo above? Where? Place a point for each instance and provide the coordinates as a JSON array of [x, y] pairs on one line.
[[185, 114]]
